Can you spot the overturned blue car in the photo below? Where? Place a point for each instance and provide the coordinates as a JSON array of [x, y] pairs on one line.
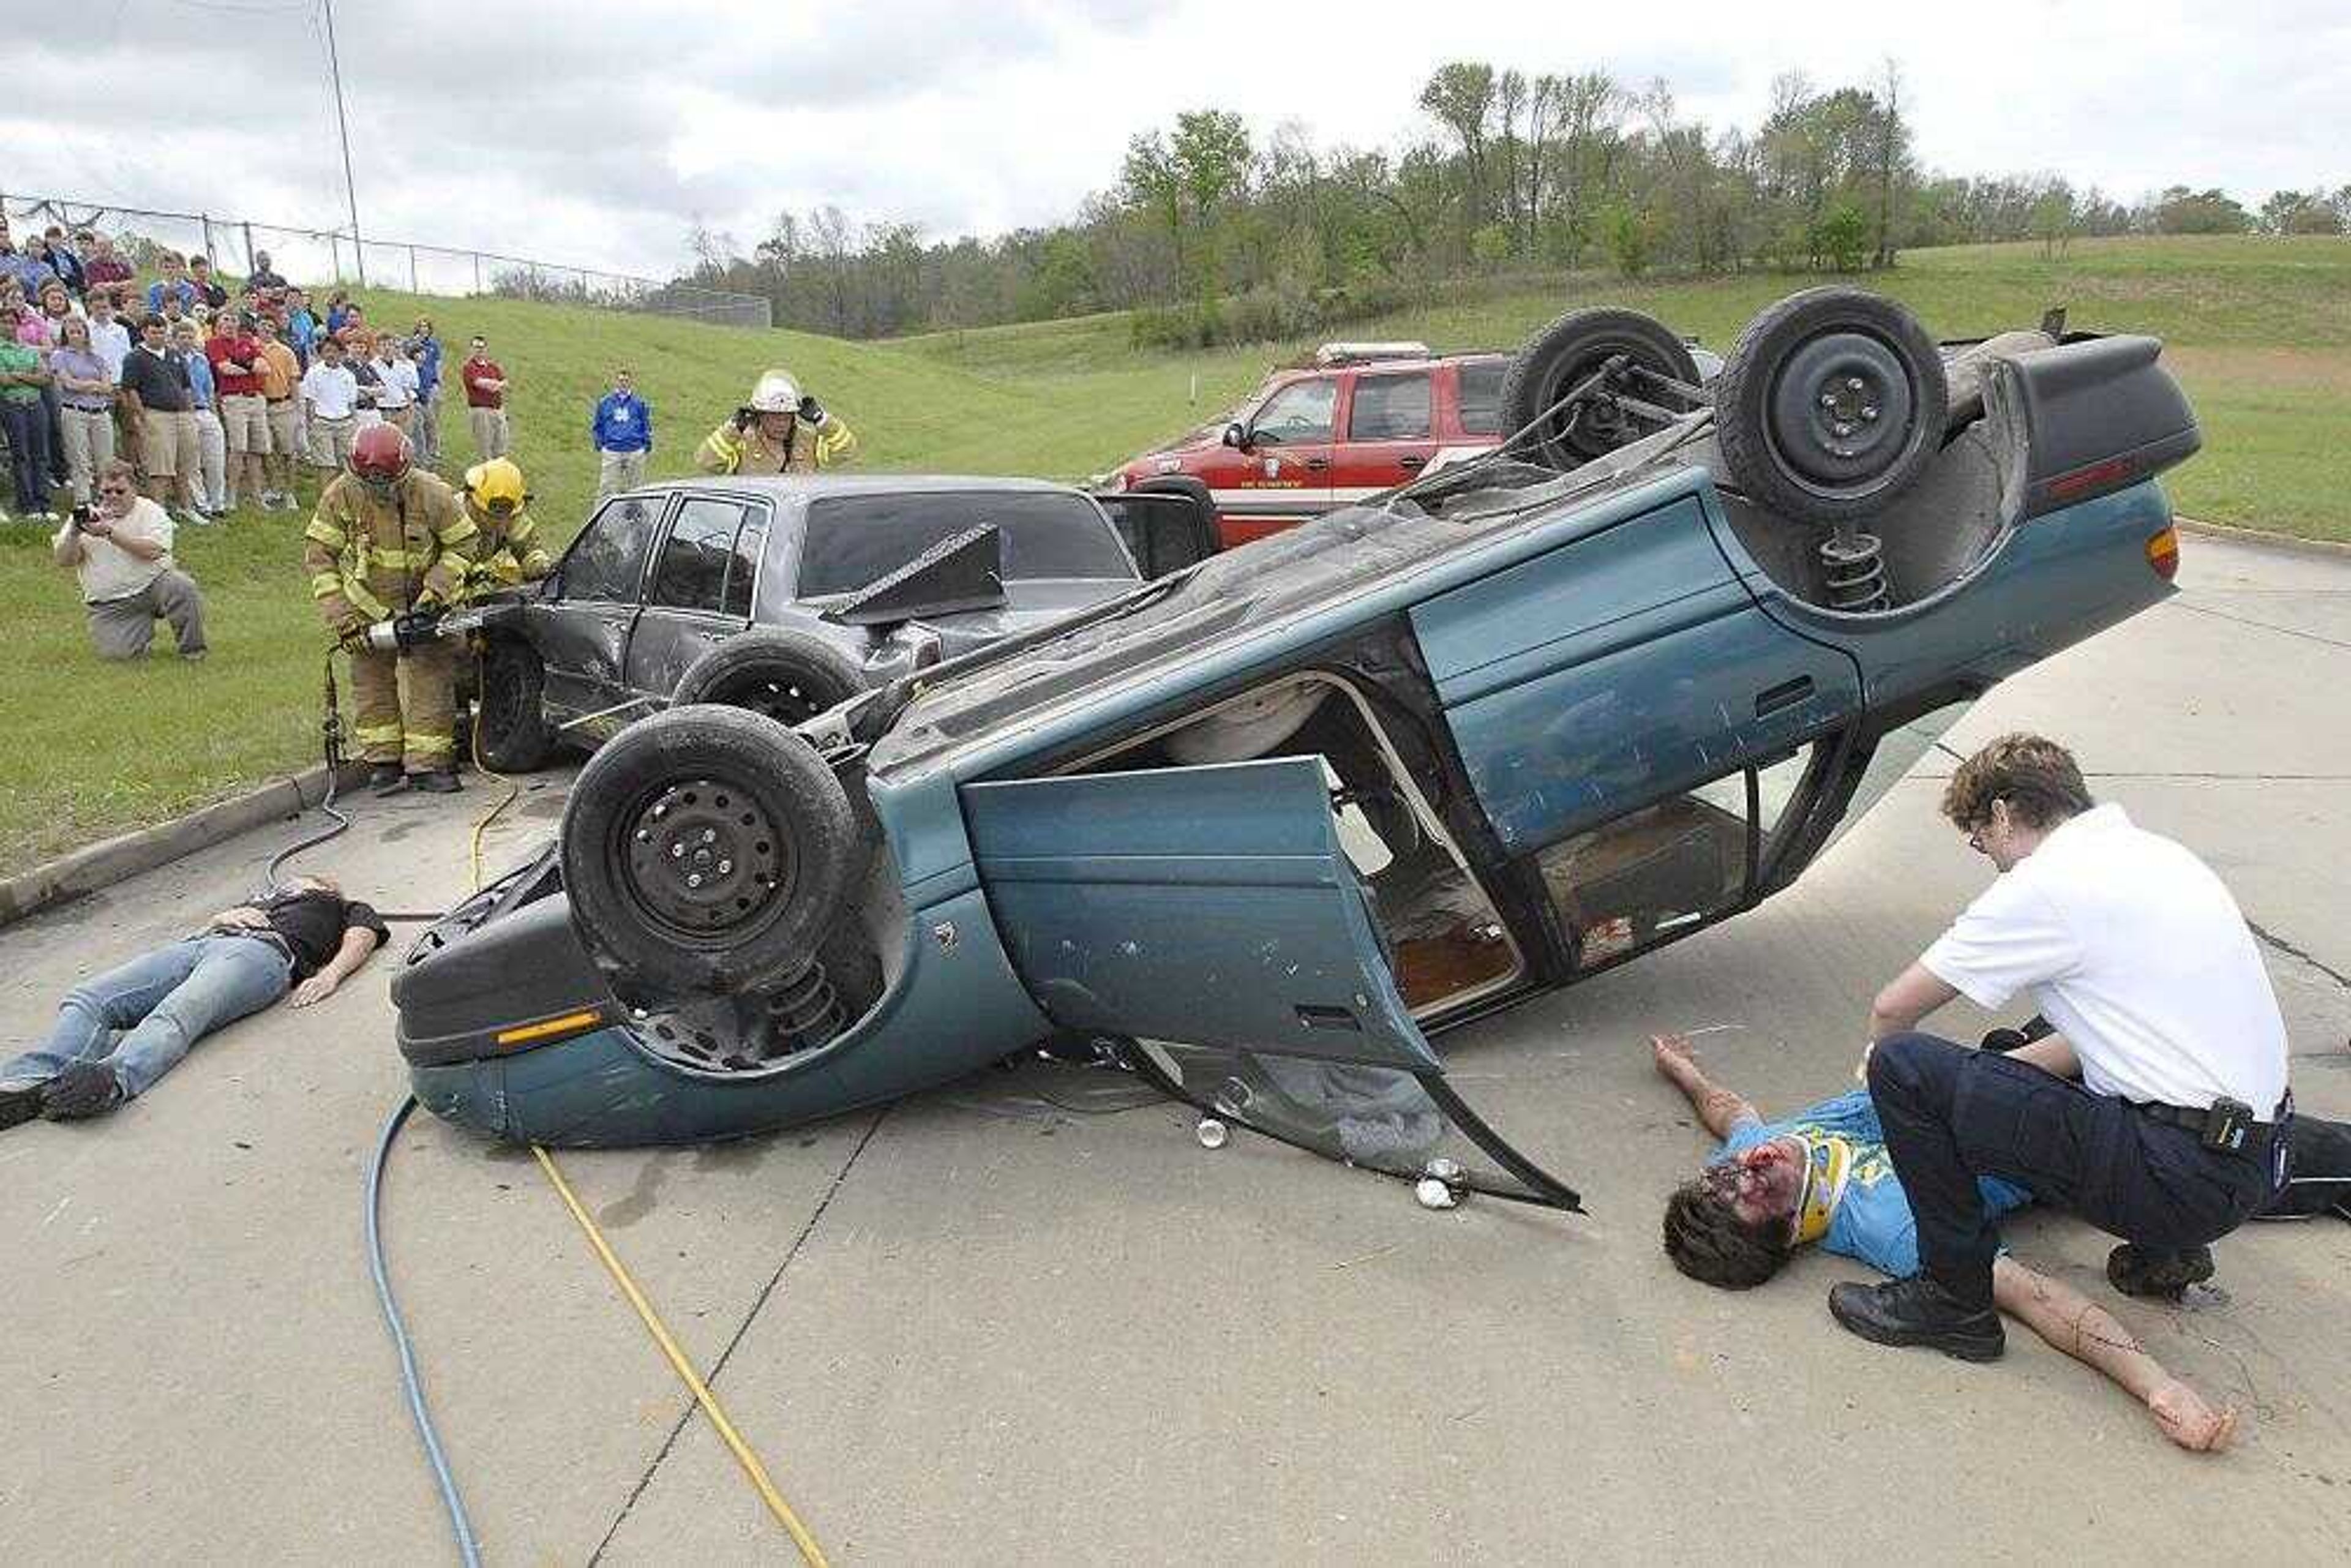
[[1258, 830]]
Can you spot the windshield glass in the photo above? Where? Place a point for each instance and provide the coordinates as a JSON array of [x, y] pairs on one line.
[[854, 539]]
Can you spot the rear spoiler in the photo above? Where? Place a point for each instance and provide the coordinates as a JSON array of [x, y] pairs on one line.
[[2097, 415]]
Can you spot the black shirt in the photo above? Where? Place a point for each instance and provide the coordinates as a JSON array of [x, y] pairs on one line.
[[312, 920], [161, 379]]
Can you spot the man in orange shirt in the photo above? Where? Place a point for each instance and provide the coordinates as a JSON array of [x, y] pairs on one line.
[[281, 374]]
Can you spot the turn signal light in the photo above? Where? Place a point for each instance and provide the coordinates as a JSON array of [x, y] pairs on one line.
[[2163, 554], [552, 1028]]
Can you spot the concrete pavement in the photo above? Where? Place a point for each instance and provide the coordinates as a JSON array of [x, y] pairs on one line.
[[1014, 1320]]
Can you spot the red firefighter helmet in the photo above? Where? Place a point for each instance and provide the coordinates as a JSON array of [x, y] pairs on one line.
[[380, 453]]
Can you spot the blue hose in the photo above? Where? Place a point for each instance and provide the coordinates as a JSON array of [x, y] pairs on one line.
[[467, 1546]]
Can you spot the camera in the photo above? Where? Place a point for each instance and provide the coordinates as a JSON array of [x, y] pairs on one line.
[[82, 514]]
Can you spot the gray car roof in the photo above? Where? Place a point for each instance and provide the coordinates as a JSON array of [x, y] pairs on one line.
[[811, 487]]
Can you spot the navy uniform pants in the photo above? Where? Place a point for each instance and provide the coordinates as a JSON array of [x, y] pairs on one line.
[[1951, 1114]]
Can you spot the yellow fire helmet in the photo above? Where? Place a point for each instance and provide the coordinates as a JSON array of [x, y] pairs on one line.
[[497, 487]]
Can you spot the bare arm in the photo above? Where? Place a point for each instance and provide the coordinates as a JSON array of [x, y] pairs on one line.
[[131, 544], [358, 942], [1719, 1110], [66, 546], [1905, 999], [2072, 1322]]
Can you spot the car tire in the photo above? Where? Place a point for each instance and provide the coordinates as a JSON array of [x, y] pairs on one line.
[[1564, 354], [1832, 404], [717, 794], [511, 732], [779, 674]]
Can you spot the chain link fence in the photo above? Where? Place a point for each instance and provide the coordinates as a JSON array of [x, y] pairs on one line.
[[320, 258]]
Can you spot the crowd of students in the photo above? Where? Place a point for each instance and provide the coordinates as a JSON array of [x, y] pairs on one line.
[[218, 399]]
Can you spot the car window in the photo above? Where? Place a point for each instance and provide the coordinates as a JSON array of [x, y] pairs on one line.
[[608, 559], [1481, 396], [1299, 412], [1390, 408], [854, 539], [750, 547], [692, 573]]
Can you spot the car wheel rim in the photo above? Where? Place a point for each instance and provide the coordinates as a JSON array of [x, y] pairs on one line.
[[1840, 412], [702, 858], [780, 699]]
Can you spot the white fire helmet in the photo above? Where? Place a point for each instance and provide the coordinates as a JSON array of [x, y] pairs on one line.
[[776, 393]]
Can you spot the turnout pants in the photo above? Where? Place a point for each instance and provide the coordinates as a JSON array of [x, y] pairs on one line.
[[407, 705], [1952, 1114]]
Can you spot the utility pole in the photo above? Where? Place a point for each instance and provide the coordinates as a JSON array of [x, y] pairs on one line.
[[350, 193]]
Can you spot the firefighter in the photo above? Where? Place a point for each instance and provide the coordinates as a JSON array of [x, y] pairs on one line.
[[781, 431], [507, 548], [387, 550]]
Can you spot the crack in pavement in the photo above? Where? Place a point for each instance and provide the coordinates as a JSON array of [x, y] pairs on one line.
[[2282, 946], [759, 1304], [2259, 625]]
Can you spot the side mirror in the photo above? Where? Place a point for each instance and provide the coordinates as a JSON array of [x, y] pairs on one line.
[[1237, 436]]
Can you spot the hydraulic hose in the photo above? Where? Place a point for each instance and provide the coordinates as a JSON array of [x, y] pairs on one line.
[[467, 1546]]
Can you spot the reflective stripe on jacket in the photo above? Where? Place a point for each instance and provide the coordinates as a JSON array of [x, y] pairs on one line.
[[728, 450], [370, 556], [505, 553]]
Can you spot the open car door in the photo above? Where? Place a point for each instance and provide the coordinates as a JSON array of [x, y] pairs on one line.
[[1210, 917]]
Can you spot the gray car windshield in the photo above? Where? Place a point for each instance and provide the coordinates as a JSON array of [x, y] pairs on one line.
[[854, 539]]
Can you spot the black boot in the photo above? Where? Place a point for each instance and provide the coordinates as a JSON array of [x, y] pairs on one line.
[[1919, 1310], [84, 1089], [439, 781], [2158, 1272], [386, 778], [19, 1103]]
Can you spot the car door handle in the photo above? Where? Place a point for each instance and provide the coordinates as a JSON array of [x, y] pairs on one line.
[[1412, 462], [1787, 694], [1316, 465]]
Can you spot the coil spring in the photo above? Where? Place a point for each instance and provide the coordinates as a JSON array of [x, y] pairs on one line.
[[1855, 566], [806, 1013]]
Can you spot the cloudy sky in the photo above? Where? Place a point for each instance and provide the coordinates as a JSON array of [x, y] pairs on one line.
[[596, 131]]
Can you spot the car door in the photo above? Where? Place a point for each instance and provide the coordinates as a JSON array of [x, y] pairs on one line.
[[1210, 915], [1391, 434], [1283, 476], [583, 631], [1618, 669], [701, 590]]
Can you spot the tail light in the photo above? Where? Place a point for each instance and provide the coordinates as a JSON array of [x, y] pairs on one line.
[[2163, 554]]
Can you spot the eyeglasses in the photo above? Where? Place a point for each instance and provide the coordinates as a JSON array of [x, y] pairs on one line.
[[114, 489]]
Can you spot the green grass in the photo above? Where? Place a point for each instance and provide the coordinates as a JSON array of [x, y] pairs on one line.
[[2259, 330]]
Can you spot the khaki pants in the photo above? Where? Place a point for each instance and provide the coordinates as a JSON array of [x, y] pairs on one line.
[[212, 461], [407, 706], [245, 418], [122, 628], [490, 438], [171, 445], [285, 427], [619, 471], [89, 447], [331, 442]]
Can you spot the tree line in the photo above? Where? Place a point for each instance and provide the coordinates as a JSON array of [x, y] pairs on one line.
[[1209, 234]]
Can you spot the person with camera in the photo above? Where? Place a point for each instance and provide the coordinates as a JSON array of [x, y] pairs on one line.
[[2179, 1129], [781, 431], [121, 550], [387, 550]]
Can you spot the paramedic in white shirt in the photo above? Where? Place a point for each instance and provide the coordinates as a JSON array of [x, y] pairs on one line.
[[2134, 952]]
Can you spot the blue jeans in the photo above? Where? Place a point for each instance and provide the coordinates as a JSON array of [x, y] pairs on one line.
[[27, 427], [166, 1000]]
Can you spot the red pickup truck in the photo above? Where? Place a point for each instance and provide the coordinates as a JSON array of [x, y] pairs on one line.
[[1364, 418]]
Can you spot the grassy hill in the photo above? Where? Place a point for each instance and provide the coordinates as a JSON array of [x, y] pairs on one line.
[[2259, 329]]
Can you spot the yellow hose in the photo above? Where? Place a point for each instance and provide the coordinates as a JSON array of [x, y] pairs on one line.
[[810, 1553]]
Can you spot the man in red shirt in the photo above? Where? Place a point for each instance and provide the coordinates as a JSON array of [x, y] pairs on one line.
[[238, 368], [485, 399]]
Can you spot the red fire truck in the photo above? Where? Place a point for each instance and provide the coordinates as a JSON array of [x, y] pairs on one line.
[[1363, 418]]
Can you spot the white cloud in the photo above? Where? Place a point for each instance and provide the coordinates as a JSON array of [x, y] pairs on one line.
[[595, 132]]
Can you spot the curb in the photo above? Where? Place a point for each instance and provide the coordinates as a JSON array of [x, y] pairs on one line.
[[2291, 544], [109, 861]]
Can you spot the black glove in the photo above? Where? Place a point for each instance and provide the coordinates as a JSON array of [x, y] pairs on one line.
[[414, 628], [811, 410], [743, 418]]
